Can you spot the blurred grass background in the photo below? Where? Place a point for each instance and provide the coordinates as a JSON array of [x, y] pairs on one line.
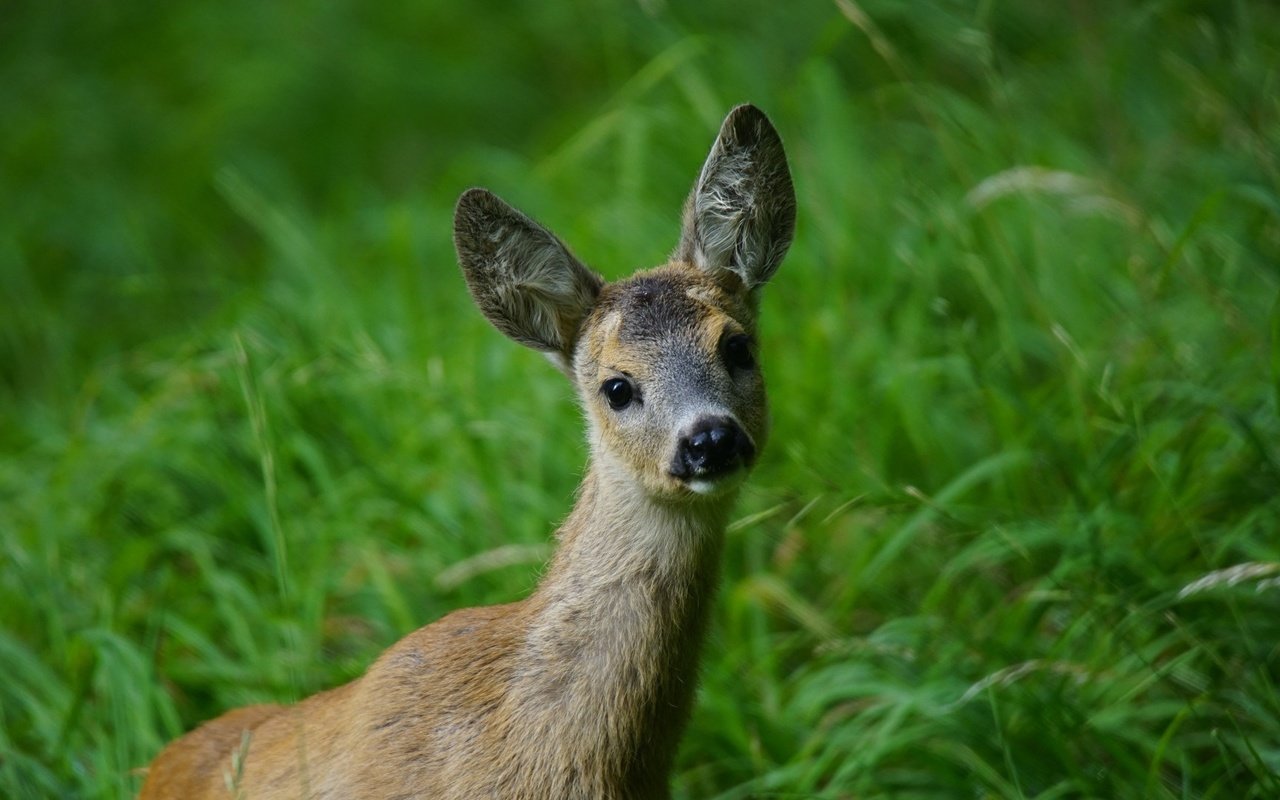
[[1017, 533]]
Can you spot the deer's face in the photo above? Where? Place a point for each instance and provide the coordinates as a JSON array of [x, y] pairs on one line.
[[664, 361], [667, 371]]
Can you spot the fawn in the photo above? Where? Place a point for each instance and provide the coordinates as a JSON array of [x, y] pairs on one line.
[[582, 689]]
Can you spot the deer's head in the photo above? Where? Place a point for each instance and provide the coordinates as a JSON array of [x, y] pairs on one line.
[[665, 362]]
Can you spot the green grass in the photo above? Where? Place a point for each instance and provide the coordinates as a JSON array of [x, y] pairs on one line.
[[1024, 361]]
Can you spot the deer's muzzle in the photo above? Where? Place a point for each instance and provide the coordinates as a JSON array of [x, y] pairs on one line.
[[713, 447]]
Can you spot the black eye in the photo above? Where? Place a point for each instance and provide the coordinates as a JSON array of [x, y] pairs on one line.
[[618, 392], [737, 352]]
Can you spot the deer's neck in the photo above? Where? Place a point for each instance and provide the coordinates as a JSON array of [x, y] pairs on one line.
[[616, 623]]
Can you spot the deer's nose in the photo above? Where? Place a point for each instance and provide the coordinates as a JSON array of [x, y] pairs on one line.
[[712, 447]]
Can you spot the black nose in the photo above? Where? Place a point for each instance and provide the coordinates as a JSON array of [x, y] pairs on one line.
[[712, 447]]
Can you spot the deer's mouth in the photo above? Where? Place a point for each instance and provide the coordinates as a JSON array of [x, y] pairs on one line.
[[716, 486]]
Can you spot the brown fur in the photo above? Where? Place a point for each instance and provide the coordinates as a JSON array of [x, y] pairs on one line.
[[582, 689]]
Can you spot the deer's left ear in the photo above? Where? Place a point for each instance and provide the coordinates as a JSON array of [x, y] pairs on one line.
[[741, 213]]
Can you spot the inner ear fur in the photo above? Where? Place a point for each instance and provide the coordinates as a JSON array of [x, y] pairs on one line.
[[741, 214]]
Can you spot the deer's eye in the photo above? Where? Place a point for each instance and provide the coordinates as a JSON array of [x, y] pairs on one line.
[[618, 392], [737, 351]]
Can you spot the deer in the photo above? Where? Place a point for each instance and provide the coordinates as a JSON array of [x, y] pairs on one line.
[[583, 688]]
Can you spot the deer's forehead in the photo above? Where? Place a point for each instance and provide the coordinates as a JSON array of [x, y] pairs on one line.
[[654, 307]]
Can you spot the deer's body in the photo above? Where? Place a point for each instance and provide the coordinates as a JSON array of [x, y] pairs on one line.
[[582, 689]]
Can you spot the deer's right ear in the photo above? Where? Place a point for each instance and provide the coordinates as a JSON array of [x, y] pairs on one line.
[[523, 278]]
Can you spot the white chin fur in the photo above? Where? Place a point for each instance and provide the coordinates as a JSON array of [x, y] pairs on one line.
[[703, 487], [707, 488]]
